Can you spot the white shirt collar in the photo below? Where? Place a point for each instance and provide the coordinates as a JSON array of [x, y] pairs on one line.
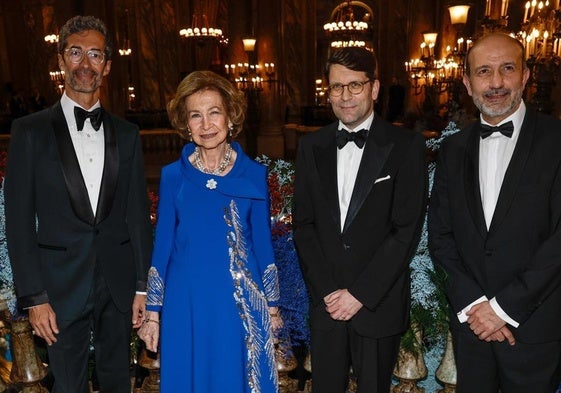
[[364, 125], [517, 118]]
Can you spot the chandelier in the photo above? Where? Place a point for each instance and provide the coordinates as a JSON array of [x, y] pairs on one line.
[[201, 31], [541, 36], [349, 25]]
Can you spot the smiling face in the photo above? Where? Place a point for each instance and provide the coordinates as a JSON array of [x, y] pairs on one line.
[[83, 79], [352, 109], [497, 77], [207, 119]]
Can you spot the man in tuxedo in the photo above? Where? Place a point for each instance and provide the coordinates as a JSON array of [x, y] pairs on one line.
[[77, 220], [359, 202], [495, 227]]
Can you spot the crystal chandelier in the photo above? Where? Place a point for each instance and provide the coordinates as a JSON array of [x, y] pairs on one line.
[[201, 31], [347, 27]]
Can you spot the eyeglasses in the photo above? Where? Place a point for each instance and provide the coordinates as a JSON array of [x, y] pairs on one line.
[[354, 87], [76, 55]]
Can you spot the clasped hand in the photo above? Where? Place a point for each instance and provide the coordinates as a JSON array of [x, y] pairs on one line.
[[149, 332], [487, 325], [341, 305]]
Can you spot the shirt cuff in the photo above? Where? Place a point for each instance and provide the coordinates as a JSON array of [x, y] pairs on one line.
[[501, 313], [141, 293], [462, 317]]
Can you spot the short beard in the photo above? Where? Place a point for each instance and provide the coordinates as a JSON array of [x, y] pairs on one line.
[[497, 112], [74, 85]]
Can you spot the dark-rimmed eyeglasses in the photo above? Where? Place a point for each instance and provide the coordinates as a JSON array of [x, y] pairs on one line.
[[354, 87], [76, 55]]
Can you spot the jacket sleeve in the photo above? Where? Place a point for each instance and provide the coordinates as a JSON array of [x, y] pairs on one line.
[[21, 227], [138, 216], [408, 209], [262, 242], [461, 288], [310, 252], [164, 239]]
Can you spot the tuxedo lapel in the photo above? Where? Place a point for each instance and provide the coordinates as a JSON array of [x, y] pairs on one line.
[[70, 167], [110, 170], [376, 153], [471, 182], [514, 170], [326, 163]]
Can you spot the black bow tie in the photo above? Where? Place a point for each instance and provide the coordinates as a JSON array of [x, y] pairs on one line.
[[344, 136], [506, 129], [96, 117]]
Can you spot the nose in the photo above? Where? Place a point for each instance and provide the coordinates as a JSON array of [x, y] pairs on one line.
[[205, 122], [346, 93], [496, 80]]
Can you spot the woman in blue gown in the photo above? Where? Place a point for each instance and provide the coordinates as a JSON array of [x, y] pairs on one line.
[[212, 287]]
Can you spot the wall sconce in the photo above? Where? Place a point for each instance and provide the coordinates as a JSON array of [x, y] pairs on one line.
[[459, 14], [57, 77], [249, 44], [250, 76]]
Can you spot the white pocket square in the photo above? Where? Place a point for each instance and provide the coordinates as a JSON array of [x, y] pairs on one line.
[[378, 180]]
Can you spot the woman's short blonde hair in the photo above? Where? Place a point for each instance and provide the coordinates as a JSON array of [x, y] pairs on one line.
[[233, 99]]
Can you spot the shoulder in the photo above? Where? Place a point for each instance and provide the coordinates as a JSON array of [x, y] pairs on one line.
[[321, 136], [250, 166], [32, 121], [122, 124]]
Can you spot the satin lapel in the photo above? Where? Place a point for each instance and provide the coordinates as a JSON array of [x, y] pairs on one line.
[[70, 167], [110, 170], [325, 157], [471, 182], [514, 170], [376, 153]]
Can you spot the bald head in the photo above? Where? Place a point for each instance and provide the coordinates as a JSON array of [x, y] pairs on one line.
[[490, 41]]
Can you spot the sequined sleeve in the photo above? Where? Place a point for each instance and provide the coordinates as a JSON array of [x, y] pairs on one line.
[[155, 295], [271, 284]]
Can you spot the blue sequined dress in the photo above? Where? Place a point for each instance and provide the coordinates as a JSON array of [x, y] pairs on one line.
[[213, 277]]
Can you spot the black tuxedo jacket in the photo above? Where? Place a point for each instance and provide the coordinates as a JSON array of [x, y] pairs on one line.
[[55, 242], [371, 256], [518, 260]]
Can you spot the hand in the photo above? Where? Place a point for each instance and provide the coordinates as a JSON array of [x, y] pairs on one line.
[[43, 320], [483, 320], [149, 332], [341, 305], [138, 310], [276, 319], [502, 334]]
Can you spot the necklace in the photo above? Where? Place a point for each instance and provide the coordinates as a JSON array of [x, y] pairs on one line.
[[220, 168]]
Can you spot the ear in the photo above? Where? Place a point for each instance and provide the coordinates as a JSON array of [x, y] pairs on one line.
[[107, 68], [525, 76], [61, 63], [467, 83], [375, 89]]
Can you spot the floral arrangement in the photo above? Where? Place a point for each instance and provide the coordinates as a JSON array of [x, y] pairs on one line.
[[7, 292], [428, 301], [293, 294]]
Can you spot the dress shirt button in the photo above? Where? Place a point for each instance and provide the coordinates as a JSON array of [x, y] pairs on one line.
[[346, 246], [488, 253], [96, 231]]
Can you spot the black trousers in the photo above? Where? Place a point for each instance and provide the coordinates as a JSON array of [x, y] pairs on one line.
[[111, 332], [333, 352], [484, 367]]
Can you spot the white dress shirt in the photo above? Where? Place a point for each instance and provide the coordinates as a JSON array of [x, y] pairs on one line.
[[89, 146], [495, 153], [348, 162]]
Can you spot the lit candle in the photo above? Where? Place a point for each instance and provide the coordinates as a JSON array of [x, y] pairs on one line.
[[504, 8], [527, 8]]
